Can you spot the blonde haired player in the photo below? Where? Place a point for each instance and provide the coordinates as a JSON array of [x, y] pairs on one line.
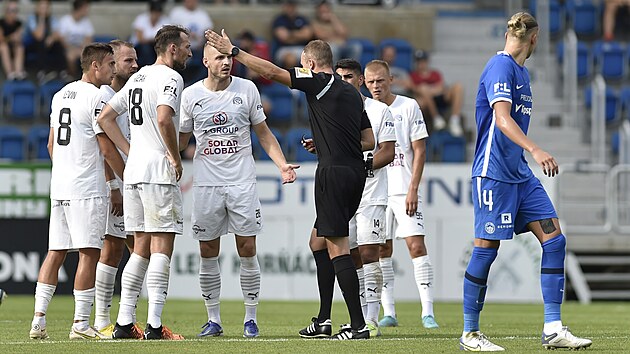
[[78, 192], [405, 218], [116, 237]]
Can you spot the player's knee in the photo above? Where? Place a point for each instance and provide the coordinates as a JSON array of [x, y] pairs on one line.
[[416, 247], [247, 249], [386, 250], [556, 244]]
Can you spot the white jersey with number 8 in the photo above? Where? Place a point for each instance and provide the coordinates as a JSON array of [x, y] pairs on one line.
[[150, 87]]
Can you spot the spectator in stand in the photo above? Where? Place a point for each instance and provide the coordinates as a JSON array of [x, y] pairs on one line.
[[11, 46], [328, 27], [145, 27], [401, 82], [432, 94], [197, 20], [76, 31], [291, 31], [43, 39], [610, 15]]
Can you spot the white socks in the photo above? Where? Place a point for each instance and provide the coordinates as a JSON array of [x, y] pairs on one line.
[[105, 281], [132, 279], [157, 287], [210, 283], [43, 295], [387, 297], [361, 276], [373, 286], [250, 285], [423, 272], [552, 327], [83, 301]]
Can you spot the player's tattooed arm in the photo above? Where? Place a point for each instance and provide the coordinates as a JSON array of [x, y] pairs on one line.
[[547, 226]]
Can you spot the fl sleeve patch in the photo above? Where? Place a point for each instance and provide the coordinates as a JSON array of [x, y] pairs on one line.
[[301, 73]]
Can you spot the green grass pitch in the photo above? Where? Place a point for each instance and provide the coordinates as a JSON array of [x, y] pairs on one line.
[[515, 327]]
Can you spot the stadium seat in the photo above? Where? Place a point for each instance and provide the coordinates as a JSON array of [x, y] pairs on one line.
[[293, 145], [257, 149], [610, 59], [612, 102], [624, 96], [404, 52], [38, 142], [585, 17], [557, 15], [46, 93], [282, 102], [584, 59], [18, 99], [615, 142], [104, 38], [11, 143], [368, 50], [444, 147]]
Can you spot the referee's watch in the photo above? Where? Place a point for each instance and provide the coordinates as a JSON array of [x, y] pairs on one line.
[[235, 51]]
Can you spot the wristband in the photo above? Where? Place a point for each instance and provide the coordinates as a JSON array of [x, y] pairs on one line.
[[113, 185]]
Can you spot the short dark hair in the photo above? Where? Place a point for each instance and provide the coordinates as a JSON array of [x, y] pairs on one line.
[[320, 52], [349, 64], [77, 4], [169, 34], [94, 52]]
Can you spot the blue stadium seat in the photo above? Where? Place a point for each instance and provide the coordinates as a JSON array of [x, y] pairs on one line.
[[18, 99], [38, 142], [612, 102], [615, 142], [557, 15], [584, 59], [104, 38], [293, 145], [444, 147], [585, 17], [46, 93], [610, 58], [624, 96], [282, 102], [404, 52], [11, 143], [368, 50], [257, 149]]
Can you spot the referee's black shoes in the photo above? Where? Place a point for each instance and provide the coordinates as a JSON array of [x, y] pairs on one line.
[[317, 329], [346, 334]]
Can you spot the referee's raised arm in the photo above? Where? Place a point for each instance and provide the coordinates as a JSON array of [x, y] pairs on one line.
[[263, 67]]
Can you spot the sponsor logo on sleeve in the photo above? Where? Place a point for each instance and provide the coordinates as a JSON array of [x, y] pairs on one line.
[[502, 88], [303, 73]]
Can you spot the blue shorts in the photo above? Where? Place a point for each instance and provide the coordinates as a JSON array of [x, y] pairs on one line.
[[502, 209]]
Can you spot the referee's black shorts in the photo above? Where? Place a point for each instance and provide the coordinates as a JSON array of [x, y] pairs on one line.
[[338, 191]]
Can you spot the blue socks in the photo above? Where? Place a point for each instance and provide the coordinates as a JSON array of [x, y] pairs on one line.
[[552, 276], [475, 285]]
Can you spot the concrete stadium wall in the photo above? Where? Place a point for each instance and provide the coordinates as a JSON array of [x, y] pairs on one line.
[[413, 23]]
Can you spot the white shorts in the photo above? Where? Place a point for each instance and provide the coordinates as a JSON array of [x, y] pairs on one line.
[[150, 207], [115, 224], [398, 223], [76, 224], [367, 226], [218, 210]]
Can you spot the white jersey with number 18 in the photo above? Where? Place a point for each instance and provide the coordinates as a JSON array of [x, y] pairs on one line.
[[150, 87], [77, 162]]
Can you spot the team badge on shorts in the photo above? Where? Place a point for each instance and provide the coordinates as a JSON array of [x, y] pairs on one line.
[[489, 227]]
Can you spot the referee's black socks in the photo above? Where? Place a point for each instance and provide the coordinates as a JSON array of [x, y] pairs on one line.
[[325, 283], [349, 284]]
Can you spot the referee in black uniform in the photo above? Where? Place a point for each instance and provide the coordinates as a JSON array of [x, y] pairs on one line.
[[337, 119]]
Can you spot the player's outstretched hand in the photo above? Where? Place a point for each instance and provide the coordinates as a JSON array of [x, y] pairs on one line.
[[288, 173], [117, 202], [546, 162], [221, 42]]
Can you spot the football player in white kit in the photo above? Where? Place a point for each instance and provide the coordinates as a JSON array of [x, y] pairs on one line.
[[78, 191], [116, 237], [404, 209], [152, 199], [221, 110], [367, 227]]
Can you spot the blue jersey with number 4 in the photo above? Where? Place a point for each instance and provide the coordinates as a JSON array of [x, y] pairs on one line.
[[496, 156]]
